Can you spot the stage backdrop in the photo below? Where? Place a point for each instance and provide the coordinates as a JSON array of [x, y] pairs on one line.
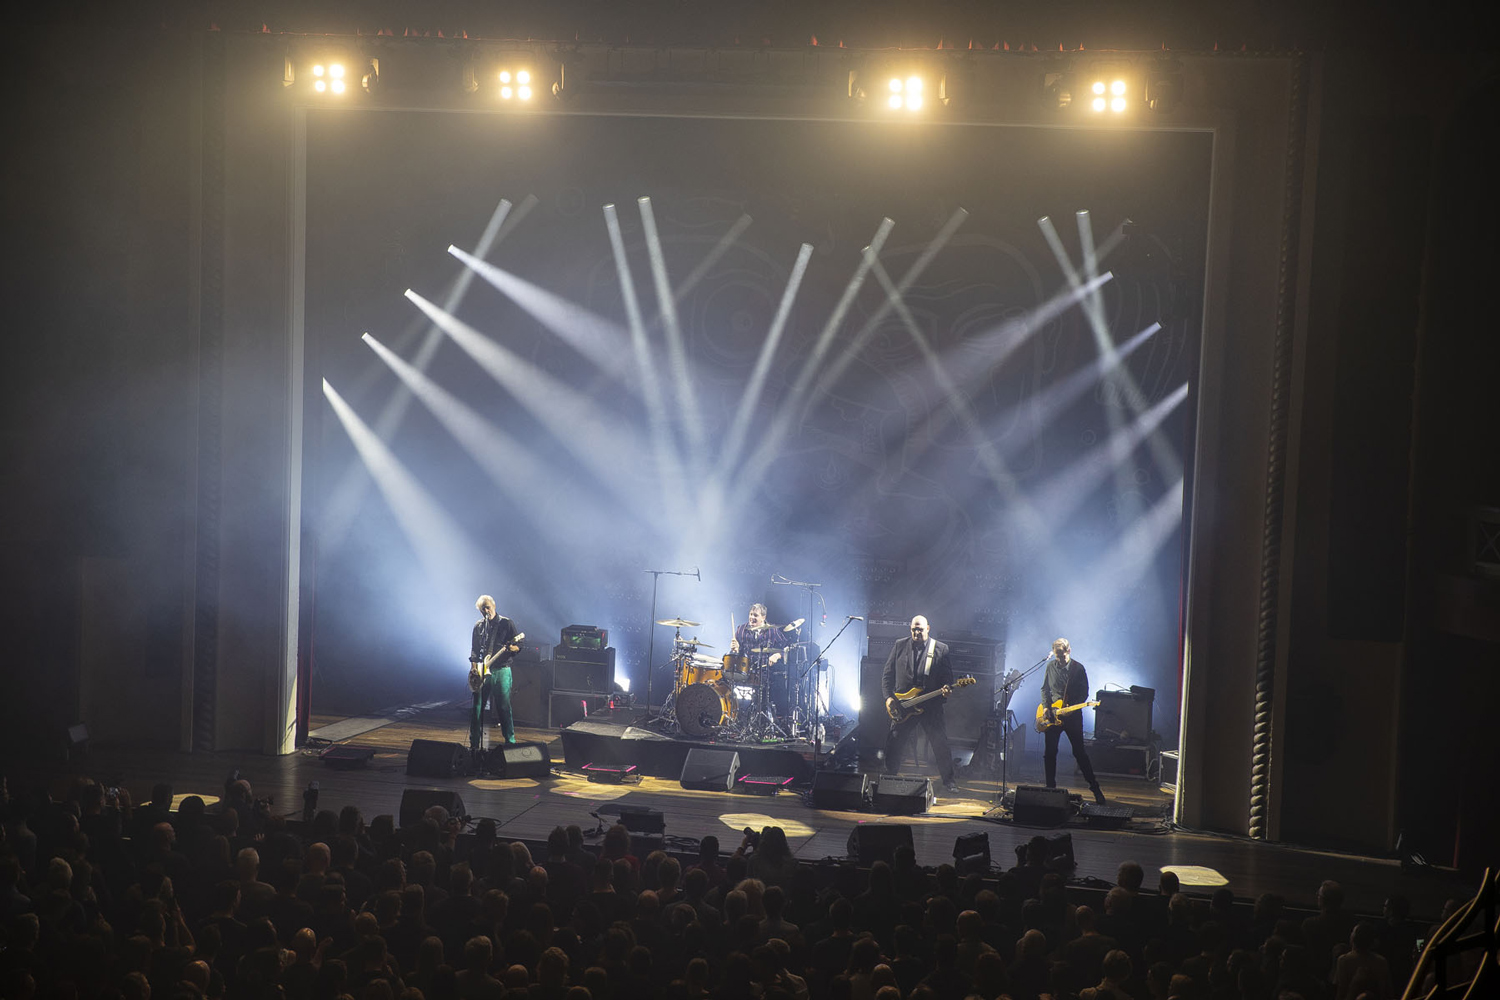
[[1001, 446]]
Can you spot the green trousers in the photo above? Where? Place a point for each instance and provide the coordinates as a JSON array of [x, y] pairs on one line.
[[495, 689]]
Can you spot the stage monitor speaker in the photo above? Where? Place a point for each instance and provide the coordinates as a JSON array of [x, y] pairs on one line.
[[710, 770], [519, 760], [436, 759], [872, 842], [1124, 715], [416, 801], [1037, 805], [896, 795], [845, 790]]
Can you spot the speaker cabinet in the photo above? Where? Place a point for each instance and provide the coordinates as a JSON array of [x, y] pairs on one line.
[[519, 760], [844, 790], [872, 842], [529, 694], [1124, 715], [581, 675], [436, 759], [1037, 805], [895, 795], [710, 770], [416, 801]]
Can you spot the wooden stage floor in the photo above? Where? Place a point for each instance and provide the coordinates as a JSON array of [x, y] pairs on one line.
[[528, 809]]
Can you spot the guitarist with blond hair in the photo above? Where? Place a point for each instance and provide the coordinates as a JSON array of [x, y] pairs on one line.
[[1065, 683], [918, 663], [495, 641]]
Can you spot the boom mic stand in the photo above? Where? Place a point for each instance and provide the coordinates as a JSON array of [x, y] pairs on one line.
[[1007, 691], [656, 575], [817, 671]]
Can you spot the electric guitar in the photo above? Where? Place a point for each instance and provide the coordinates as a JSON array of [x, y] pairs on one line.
[[907, 701], [1058, 710], [479, 671]]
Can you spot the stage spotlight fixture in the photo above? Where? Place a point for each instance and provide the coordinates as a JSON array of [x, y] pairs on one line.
[[336, 76], [904, 90], [515, 84], [1108, 91]]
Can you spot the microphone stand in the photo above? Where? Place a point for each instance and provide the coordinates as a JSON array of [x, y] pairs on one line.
[[656, 575], [817, 671], [1008, 690]]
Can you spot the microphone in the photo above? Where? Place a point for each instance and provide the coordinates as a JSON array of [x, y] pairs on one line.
[[855, 618], [825, 619]]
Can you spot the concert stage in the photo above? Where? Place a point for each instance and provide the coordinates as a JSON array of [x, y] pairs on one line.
[[527, 809]]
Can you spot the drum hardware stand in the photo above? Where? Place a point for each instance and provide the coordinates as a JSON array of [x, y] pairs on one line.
[[1002, 705], [813, 597], [656, 575]]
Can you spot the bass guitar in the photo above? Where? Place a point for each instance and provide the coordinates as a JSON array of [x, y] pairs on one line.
[[1058, 711], [907, 702], [479, 671]]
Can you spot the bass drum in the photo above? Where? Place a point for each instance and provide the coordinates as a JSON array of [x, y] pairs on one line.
[[700, 710]]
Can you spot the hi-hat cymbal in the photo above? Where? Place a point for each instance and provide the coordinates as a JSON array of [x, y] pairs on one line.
[[794, 626], [766, 649], [695, 643], [677, 623]]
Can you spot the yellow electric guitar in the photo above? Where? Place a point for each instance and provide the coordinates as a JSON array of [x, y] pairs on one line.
[[479, 671], [1058, 711], [907, 701]]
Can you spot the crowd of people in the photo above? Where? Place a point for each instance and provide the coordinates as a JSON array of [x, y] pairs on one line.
[[100, 898]]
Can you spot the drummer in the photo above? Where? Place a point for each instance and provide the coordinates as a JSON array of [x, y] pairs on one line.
[[757, 634]]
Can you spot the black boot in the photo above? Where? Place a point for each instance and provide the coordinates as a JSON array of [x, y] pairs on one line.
[[1098, 794]]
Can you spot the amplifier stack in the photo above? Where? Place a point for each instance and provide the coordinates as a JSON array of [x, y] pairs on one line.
[[583, 674]]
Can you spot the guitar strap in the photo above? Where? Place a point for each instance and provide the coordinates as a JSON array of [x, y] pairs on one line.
[[927, 662]]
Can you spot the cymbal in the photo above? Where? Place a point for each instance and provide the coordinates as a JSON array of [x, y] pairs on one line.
[[677, 623], [766, 649], [793, 626], [695, 642]]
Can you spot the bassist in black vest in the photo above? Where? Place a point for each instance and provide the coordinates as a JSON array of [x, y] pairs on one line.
[[1067, 682], [919, 662], [493, 633]]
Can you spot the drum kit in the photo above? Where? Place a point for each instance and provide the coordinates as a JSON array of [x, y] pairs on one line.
[[741, 697]]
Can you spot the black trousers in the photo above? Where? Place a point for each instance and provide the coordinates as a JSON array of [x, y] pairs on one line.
[[1073, 726], [934, 726]]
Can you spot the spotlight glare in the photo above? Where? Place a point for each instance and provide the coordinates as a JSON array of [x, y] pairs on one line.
[[1098, 86], [338, 86], [1098, 104], [1117, 88], [505, 76], [895, 100], [914, 102], [895, 86], [336, 70], [914, 84], [505, 93], [320, 86], [318, 70], [524, 93], [1117, 105], [523, 77]]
